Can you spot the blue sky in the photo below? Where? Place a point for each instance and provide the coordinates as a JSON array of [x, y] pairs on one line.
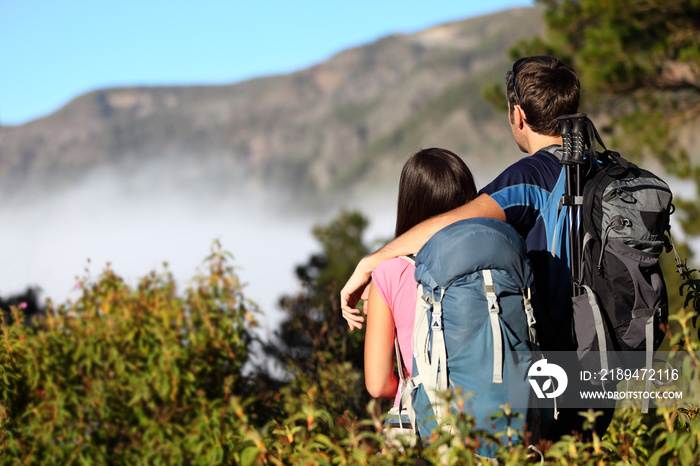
[[52, 51]]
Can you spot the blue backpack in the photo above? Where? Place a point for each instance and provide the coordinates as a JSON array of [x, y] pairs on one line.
[[473, 328]]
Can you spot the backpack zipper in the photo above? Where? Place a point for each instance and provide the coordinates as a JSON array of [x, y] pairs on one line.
[[617, 223], [617, 192]]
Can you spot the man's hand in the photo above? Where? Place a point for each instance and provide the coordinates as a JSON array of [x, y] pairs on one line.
[[354, 316], [356, 288]]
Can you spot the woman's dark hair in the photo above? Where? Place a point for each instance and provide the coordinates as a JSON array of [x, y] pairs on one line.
[[432, 181]]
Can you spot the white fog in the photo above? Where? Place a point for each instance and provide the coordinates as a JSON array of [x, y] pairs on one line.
[[48, 242]]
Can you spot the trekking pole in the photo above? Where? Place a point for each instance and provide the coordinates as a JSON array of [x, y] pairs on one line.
[[573, 146]]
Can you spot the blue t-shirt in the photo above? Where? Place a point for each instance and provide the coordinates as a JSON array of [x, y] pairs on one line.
[[529, 192]]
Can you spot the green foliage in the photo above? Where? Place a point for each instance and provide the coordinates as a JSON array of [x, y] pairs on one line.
[[314, 337], [690, 211], [691, 289], [672, 277], [342, 245], [626, 45], [128, 375], [312, 435], [141, 375]]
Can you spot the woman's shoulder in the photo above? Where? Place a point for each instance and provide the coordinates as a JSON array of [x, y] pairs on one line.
[[395, 269], [396, 264], [392, 278]]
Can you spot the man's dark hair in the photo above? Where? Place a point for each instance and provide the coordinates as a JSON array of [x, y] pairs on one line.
[[433, 181], [545, 88]]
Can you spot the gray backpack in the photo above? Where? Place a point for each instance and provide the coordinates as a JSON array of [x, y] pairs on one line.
[[625, 213]]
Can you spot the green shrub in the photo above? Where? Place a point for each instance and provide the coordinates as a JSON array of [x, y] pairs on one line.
[[128, 375], [142, 375]]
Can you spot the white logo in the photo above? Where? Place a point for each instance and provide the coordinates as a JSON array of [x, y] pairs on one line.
[[547, 371]]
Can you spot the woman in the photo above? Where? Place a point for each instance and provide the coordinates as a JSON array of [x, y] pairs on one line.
[[432, 181]]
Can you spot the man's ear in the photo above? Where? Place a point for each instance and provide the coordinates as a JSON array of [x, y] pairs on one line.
[[518, 116]]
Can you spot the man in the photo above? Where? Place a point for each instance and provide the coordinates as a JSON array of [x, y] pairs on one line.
[[526, 195]]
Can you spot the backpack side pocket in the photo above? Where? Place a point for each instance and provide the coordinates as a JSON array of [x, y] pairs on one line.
[[634, 291], [595, 348]]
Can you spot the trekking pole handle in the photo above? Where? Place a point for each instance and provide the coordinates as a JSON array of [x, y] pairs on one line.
[[565, 130], [573, 137]]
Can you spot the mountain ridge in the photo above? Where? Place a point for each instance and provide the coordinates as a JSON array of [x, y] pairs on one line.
[[346, 123]]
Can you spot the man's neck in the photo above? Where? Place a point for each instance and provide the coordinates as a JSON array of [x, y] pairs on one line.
[[538, 141]]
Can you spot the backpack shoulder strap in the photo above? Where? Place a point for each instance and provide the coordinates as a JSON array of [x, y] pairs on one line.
[[531, 321], [554, 150], [402, 370], [494, 310], [411, 259]]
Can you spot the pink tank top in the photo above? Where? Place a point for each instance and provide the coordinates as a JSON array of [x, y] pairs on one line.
[[397, 287]]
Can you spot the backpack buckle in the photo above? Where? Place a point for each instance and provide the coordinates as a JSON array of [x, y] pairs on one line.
[[491, 297], [490, 291], [427, 300], [436, 324]]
